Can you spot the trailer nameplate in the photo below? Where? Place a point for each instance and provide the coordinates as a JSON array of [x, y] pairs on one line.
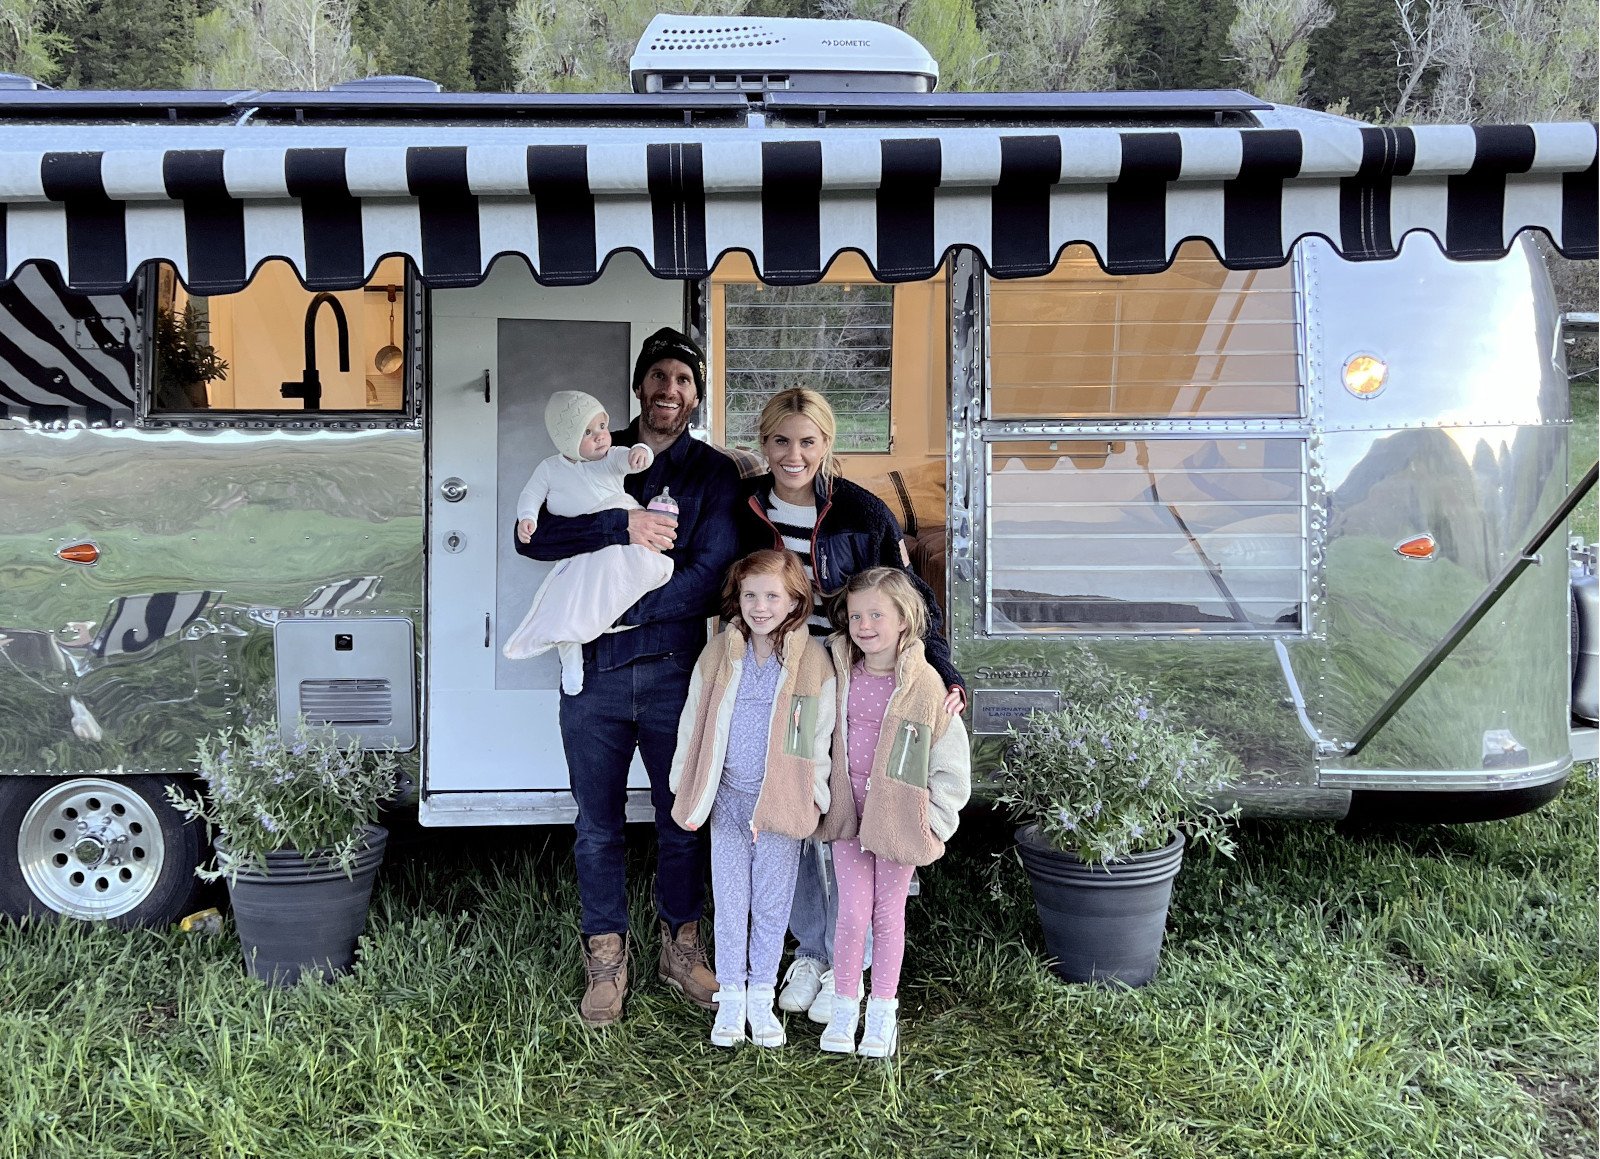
[[995, 708]]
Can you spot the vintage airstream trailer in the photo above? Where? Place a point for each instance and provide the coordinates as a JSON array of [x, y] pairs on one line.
[[1253, 401]]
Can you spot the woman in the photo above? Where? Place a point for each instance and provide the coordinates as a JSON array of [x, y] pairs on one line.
[[837, 529]]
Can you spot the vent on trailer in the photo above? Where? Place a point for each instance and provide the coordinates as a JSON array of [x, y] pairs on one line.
[[356, 674], [759, 53]]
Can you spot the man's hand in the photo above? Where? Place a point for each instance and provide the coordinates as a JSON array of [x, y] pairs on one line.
[[638, 459], [652, 529], [955, 701], [524, 530]]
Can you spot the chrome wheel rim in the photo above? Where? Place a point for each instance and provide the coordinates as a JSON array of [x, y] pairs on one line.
[[91, 848]]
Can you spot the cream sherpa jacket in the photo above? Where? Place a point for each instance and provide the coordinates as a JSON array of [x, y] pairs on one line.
[[921, 768], [795, 790]]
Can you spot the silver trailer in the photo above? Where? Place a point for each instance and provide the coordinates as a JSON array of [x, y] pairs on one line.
[[1264, 405]]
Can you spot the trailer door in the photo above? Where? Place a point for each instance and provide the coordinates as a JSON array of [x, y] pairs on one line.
[[494, 752]]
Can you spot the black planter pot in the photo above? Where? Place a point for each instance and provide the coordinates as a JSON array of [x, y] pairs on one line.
[[304, 917], [1102, 923]]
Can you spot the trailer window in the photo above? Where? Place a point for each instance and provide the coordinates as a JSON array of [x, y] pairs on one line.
[[1195, 341], [835, 338], [248, 352], [1152, 534]]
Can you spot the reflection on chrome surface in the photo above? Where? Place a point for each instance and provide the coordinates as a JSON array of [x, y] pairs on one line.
[[1467, 443], [206, 540]]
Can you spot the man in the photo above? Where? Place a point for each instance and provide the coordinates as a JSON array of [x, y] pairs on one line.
[[636, 678]]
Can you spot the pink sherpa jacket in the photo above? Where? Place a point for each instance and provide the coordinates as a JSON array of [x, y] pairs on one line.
[[795, 790], [921, 769]]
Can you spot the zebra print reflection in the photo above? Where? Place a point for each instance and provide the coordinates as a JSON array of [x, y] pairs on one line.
[[65, 356]]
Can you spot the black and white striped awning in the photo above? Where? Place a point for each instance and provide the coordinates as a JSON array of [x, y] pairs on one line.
[[453, 200]]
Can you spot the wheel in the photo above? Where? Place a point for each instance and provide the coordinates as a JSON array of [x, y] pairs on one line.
[[95, 849]]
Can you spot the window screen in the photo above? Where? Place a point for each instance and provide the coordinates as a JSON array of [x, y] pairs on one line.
[[1146, 534], [1195, 341], [835, 338]]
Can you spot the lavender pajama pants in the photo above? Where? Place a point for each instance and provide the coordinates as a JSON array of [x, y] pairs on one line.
[[752, 885]]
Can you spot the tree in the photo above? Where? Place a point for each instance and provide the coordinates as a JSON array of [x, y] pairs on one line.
[[948, 29], [426, 38], [29, 46], [1271, 39], [1053, 45], [1525, 60], [1173, 44], [129, 44], [491, 62], [287, 44], [1434, 35], [1354, 58], [561, 47]]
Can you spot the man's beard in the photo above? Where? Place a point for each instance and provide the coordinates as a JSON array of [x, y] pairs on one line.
[[647, 419]]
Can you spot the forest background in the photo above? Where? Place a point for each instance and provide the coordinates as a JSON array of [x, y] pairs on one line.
[[1392, 61]]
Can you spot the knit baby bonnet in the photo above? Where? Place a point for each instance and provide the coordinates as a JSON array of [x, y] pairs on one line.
[[566, 416]]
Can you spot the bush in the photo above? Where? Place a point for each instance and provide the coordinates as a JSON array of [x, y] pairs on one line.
[[1114, 774], [263, 794]]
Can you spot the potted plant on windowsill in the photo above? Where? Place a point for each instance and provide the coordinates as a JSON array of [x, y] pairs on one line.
[[185, 362], [297, 841], [1109, 790]]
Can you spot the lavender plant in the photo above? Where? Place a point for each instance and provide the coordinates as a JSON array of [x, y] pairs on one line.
[[1114, 773], [263, 793]]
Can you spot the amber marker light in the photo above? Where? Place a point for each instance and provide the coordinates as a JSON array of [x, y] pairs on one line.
[[1417, 547], [80, 553], [1365, 375]]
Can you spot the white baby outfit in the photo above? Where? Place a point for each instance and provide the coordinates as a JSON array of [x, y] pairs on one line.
[[584, 594]]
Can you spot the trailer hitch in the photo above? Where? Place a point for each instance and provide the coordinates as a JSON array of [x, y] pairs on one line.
[[1469, 619]]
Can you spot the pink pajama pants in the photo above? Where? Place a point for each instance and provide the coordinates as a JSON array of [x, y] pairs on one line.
[[872, 892]]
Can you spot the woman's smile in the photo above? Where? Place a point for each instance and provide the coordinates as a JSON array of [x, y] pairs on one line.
[[795, 452]]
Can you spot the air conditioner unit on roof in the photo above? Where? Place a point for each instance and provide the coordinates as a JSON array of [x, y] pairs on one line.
[[757, 53]]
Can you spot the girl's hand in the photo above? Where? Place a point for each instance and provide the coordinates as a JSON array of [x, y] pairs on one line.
[[955, 702], [524, 530]]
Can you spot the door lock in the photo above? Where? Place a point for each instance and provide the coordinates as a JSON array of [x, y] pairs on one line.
[[453, 490], [454, 542]]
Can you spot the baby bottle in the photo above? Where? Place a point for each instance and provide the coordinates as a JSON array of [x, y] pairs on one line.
[[665, 504]]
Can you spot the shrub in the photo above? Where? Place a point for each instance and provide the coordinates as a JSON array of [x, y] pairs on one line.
[[1114, 773], [264, 793]]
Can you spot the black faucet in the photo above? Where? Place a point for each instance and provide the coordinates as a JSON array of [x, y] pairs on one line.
[[310, 385]]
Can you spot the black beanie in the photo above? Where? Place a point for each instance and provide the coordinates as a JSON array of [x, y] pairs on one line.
[[668, 343]]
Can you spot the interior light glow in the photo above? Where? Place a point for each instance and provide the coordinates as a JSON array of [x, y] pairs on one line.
[[1365, 375]]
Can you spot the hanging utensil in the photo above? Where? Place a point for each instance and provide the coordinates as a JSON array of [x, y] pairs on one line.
[[390, 358]]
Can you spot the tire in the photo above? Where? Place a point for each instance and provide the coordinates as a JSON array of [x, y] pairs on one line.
[[95, 849]]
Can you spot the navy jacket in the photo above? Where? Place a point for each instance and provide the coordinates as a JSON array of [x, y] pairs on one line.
[[672, 618], [854, 532]]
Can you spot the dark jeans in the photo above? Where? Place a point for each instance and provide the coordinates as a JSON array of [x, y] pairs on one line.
[[635, 706]]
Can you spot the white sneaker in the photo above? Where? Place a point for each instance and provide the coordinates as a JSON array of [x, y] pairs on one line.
[[800, 985], [882, 1034], [765, 1029], [840, 1035], [821, 1008], [728, 1029]]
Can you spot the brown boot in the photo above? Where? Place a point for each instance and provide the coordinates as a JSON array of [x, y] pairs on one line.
[[683, 965], [605, 963]]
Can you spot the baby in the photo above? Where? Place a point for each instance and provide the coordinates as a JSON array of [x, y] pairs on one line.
[[584, 594]]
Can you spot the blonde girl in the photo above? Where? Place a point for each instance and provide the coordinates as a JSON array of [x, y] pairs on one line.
[[753, 757], [901, 772]]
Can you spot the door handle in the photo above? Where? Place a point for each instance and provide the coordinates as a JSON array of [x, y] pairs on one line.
[[453, 490]]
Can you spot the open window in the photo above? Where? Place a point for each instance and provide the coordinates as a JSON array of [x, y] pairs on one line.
[[276, 350], [877, 352], [1145, 451]]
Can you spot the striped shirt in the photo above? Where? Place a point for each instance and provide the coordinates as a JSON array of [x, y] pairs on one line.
[[796, 525]]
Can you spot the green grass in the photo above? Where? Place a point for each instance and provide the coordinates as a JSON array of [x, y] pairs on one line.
[[1426, 992]]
